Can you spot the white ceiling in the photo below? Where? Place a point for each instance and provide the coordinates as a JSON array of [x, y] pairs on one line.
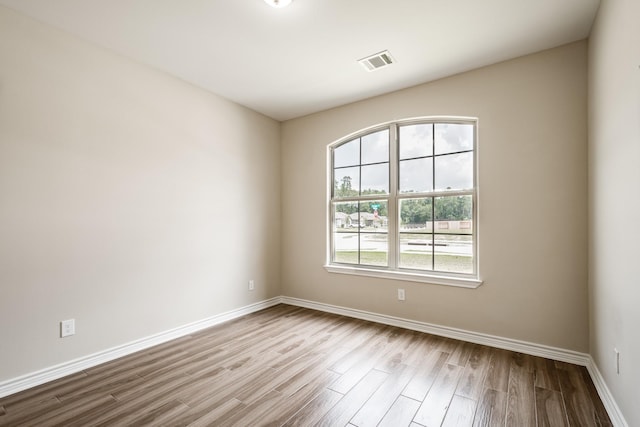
[[301, 59]]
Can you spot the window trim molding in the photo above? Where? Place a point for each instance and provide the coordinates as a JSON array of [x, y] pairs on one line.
[[470, 281], [461, 282]]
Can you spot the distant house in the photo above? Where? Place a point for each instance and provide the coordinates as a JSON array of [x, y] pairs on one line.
[[341, 219], [367, 219]]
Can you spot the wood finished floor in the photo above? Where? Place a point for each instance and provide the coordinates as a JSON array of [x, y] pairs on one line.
[[289, 366]]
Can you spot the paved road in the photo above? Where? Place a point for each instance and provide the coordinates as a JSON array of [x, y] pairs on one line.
[[345, 242]]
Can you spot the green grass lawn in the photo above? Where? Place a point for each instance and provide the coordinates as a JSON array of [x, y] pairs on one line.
[[417, 260]]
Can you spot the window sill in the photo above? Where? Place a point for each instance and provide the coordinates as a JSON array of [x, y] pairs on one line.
[[461, 282]]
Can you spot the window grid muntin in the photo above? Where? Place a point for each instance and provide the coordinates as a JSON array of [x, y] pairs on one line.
[[358, 231], [433, 233], [360, 165], [394, 194], [360, 198]]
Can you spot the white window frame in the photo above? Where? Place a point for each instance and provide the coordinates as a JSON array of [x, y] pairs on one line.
[[471, 280]]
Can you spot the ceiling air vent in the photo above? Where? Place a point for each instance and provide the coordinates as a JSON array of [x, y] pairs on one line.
[[377, 61]]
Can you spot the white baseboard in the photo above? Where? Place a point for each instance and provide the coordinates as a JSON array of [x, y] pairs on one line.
[[58, 371], [45, 375], [605, 395], [525, 347], [445, 331]]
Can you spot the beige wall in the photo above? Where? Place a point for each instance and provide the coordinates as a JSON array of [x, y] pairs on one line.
[[129, 200], [533, 200], [614, 178], [135, 203]]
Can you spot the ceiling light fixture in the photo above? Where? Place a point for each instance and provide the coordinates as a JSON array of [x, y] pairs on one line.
[[278, 3]]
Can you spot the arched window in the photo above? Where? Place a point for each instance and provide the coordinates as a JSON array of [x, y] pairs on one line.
[[403, 202]]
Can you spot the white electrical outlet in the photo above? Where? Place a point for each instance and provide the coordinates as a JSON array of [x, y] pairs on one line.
[[401, 294], [67, 328], [252, 285], [617, 356]]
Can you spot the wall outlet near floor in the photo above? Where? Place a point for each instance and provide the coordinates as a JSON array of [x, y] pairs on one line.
[[401, 294], [67, 328], [252, 285], [617, 356]]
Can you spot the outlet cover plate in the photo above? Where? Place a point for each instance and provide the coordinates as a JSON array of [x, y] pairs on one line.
[[67, 328]]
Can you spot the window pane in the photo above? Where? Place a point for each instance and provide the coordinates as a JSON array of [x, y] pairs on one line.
[[374, 249], [433, 223], [454, 172], [375, 147], [373, 216], [415, 215], [451, 212], [345, 248], [375, 179], [416, 175], [416, 141], [451, 138], [341, 216], [345, 232], [346, 182], [453, 253], [347, 154], [416, 251]]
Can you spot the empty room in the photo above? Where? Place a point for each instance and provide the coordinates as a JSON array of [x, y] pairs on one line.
[[319, 212]]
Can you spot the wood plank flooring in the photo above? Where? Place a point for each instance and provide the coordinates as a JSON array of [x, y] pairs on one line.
[[289, 366]]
